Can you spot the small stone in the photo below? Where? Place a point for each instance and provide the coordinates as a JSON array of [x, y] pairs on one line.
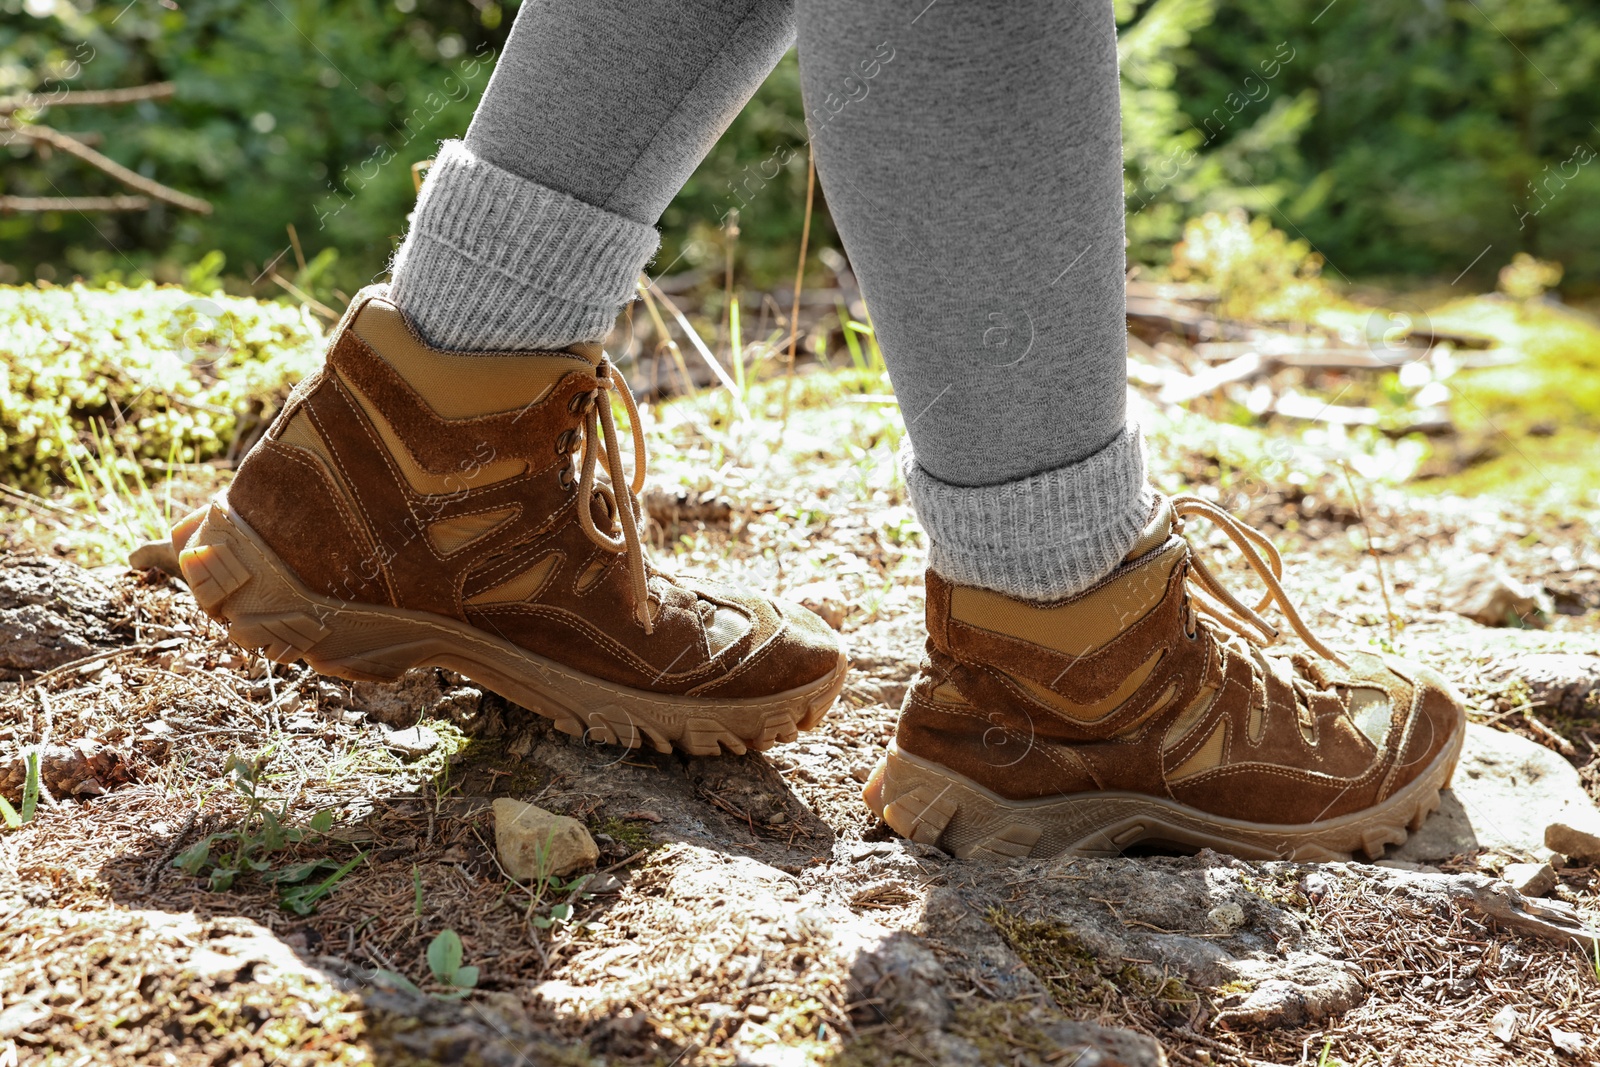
[[155, 555], [1509, 794], [824, 598], [1225, 918], [412, 743], [861, 772], [1576, 833], [603, 883], [1567, 1041], [1530, 879], [1482, 591], [23, 1015], [534, 843], [1504, 1024]]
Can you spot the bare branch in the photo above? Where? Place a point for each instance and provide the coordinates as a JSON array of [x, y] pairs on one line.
[[72, 146], [87, 97], [74, 203]]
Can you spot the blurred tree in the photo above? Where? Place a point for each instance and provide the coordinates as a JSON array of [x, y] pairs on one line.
[[1396, 140], [1444, 128], [289, 112]]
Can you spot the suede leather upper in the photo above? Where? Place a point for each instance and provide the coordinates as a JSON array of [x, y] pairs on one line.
[[1169, 705], [330, 497]]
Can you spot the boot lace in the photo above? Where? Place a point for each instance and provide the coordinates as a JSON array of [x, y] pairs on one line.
[[1221, 606], [600, 444]]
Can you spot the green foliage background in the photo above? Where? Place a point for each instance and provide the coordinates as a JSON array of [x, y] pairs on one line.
[[1397, 139]]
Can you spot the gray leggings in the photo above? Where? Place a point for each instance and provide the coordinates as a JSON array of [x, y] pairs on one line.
[[970, 154]]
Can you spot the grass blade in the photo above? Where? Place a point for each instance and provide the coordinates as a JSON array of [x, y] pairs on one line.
[[30, 787]]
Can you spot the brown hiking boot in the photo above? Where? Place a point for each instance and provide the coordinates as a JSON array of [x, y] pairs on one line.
[[1143, 710], [414, 507]]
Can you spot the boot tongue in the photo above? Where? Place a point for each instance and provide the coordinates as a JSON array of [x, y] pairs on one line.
[[462, 384], [1155, 532]]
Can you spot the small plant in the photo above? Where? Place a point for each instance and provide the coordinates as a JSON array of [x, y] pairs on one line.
[[30, 795], [302, 898], [445, 954], [860, 358], [225, 855]]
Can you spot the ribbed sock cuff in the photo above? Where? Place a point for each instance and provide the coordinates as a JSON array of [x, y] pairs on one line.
[[1045, 537], [495, 262]]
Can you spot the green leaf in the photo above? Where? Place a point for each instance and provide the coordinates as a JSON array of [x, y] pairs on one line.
[[302, 900], [222, 879], [191, 859], [444, 955], [561, 912], [299, 872], [465, 978], [399, 981], [9, 814], [322, 821]]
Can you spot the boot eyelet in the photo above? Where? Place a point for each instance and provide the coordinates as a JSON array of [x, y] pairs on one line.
[[565, 477], [577, 403]]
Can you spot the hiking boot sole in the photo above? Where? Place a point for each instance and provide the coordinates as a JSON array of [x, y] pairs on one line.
[[931, 804], [242, 584]]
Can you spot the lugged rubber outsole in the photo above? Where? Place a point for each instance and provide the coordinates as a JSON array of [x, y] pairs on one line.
[[933, 805], [242, 584]]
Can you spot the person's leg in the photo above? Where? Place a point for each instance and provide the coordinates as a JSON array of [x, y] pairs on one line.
[[530, 233], [971, 157], [1076, 693], [433, 501]]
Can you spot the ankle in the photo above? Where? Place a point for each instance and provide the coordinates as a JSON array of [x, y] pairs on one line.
[[1045, 537]]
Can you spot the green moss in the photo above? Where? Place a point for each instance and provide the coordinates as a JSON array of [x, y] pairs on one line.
[[629, 834], [1074, 976], [171, 375], [483, 766]]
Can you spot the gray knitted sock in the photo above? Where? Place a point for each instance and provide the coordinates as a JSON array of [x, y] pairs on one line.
[[494, 262], [1044, 537]]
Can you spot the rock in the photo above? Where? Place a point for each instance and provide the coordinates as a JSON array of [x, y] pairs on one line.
[[1504, 1024], [669, 507], [825, 598], [1575, 833], [1481, 590], [21, 1016], [1225, 918], [155, 555], [898, 980], [413, 742], [82, 768], [157, 972], [534, 843], [51, 612], [1567, 1041], [404, 702], [1561, 680], [1530, 879], [1507, 793]]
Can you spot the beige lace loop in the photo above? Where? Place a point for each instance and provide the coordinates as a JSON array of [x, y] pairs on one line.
[[600, 443], [1263, 558]]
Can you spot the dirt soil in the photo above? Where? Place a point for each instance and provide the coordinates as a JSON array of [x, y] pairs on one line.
[[745, 909]]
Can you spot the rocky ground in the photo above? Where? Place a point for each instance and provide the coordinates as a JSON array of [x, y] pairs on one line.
[[236, 861]]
